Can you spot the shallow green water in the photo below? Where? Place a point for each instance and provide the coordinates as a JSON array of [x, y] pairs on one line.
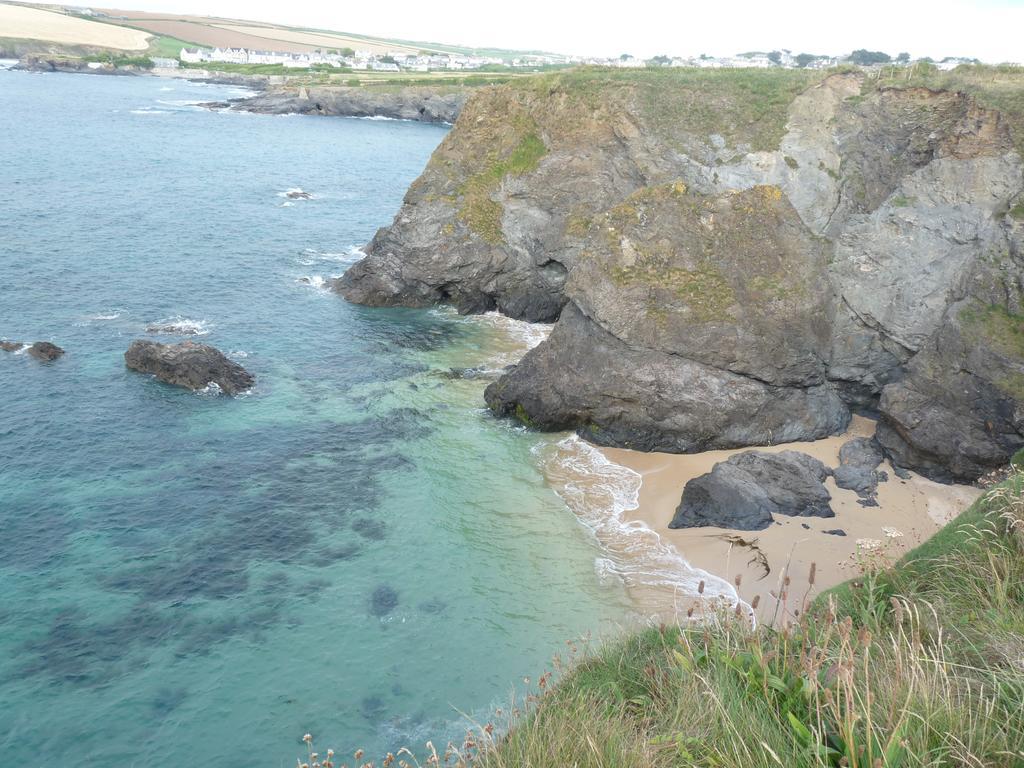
[[190, 579]]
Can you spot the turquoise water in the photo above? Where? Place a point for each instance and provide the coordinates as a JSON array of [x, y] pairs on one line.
[[355, 549]]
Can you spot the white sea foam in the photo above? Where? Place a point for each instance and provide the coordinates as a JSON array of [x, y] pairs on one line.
[[179, 326], [315, 281], [180, 103], [213, 388], [238, 354], [167, 88], [311, 256], [111, 315], [600, 493], [377, 117], [150, 111]]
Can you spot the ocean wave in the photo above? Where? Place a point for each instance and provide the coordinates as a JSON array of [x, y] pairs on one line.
[[379, 117], [297, 193], [111, 315], [519, 336], [600, 493], [167, 88], [314, 281], [311, 256], [150, 111], [179, 103], [213, 388], [179, 326]]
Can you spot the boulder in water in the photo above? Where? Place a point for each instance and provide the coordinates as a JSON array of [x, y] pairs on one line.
[[11, 346], [44, 350], [188, 364]]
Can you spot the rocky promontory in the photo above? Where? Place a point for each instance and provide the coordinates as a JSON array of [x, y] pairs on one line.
[[735, 258], [429, 104], [188, 364]]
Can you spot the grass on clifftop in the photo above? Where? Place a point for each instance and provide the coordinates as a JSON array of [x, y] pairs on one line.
[[744, 106], [918, 665]]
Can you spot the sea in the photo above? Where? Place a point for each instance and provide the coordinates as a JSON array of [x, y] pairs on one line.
[[356, 549]]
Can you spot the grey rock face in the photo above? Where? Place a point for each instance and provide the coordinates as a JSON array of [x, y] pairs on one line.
[[857, 470], [746, 490], [585, 378], [189, 365], [44, 350], [708, 296]]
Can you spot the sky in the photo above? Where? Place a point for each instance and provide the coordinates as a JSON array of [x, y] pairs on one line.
[[991, 30]]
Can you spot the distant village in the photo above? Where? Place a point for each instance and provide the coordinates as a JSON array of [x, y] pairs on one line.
[[429, 62]]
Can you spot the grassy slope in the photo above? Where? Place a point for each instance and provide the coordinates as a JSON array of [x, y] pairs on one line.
[[922, 665]]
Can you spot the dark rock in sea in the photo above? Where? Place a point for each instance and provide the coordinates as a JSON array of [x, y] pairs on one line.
[[369, 528], [857, 471], [11, 346], [188, 364], [298, 194], [44, 350], [372, 708], [835, 532], [746, 490], [477, 372], [383, 601]]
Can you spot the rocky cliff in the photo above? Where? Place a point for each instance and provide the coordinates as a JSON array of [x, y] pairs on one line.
[[429, 104], [734, 258]]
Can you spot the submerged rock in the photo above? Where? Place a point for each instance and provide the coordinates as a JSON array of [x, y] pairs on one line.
[[44, 350], [383, 601], [188, 364], [746, 490], [11, 346]]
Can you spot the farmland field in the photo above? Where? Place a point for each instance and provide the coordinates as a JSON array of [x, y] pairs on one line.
[[23, 22]]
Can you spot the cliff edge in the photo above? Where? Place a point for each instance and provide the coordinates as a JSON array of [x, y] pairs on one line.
[[735, 257]]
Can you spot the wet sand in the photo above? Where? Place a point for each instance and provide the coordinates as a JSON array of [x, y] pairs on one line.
[[908, 512]]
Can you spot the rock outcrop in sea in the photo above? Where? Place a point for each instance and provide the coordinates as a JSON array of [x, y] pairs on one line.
[[188, 364], [40, 350], [428, 104], [733, 260]]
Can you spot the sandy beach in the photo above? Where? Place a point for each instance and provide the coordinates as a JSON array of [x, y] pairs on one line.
[[909, 511]]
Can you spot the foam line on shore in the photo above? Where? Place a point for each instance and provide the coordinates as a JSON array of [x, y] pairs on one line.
[[600, 493]]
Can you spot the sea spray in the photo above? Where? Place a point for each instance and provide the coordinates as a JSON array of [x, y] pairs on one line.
[[600, 493]]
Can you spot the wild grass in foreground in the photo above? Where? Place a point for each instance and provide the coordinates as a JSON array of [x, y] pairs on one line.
[[919, 665]]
